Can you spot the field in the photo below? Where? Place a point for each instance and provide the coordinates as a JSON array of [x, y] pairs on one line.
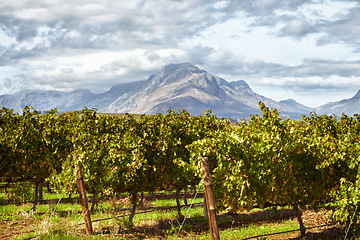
[[60, 217], [310, 167]]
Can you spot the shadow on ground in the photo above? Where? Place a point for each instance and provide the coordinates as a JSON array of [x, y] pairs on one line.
[[198, 224]]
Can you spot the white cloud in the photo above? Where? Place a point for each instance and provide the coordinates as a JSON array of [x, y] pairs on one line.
[[310, 91], [95, 44], [11, 79]]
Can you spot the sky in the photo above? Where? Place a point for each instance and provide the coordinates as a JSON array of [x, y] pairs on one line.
[[305, 50]]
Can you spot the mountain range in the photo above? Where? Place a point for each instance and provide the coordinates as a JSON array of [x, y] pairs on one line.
[[175, 86]]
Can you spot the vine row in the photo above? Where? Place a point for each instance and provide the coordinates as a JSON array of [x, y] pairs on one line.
[[266, 161]]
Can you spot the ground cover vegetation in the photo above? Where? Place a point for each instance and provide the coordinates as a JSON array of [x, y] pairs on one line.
[[265, 162]]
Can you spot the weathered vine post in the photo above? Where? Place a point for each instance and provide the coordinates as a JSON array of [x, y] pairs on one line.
[[210, 200], [83, 199], [41, 191]]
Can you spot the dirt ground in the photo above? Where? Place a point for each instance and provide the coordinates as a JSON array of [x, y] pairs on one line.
[[12, 229], [26, 224], [312, 219]]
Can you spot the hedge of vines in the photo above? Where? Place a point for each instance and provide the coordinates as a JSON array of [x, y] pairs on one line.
[[312, 162]]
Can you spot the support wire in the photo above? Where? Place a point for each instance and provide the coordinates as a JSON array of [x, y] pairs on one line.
[[192, 203]]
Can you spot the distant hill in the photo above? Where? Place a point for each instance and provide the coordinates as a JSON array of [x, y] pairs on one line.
[[175, 86], [348, 106], [46, 100]]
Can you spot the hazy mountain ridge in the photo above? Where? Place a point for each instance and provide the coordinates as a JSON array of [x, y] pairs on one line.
[[175, 86], [348, 106], [46, 100]]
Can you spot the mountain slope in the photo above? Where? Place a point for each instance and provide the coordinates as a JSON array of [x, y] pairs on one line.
[[46, 100], [186, 86], [175, 86], [348, 106]]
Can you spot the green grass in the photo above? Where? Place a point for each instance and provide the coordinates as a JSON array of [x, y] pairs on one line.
[[58, 207], [24, 191], [172, 202], [245, 232], [47, 195], [10, 212], [65, 221], [105, 206], [256, 230]]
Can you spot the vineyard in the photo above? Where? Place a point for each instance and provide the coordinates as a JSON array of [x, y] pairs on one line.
[[265, 162]]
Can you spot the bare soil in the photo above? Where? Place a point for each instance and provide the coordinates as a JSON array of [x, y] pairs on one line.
[[312, 219], [15, 228], [25, 224]]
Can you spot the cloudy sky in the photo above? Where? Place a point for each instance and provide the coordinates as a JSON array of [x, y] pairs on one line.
[[301, 49]]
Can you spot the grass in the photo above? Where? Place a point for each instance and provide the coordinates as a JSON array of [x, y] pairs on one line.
[[256, 230], [246, 232], [55, 195], [9, 212], [65, 221], [24, 192], [172, 202]]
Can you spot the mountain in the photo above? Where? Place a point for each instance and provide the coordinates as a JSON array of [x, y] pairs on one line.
[[348, 106], [46, 100], [186, 86], [175, 86]]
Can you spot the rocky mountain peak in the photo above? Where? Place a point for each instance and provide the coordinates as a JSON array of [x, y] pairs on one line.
[[173, 72], [240, 83], [357, 95], [175, 86], [172, 68], [289, 101]]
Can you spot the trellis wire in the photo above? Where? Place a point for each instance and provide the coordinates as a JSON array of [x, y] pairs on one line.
[[192, 202], [295, 230], [146, 211], [352, 218], [52, 212]]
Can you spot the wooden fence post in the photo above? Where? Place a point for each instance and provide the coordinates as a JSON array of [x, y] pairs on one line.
[[210, 200], [41, 191], [206, 215], [83, 200]]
